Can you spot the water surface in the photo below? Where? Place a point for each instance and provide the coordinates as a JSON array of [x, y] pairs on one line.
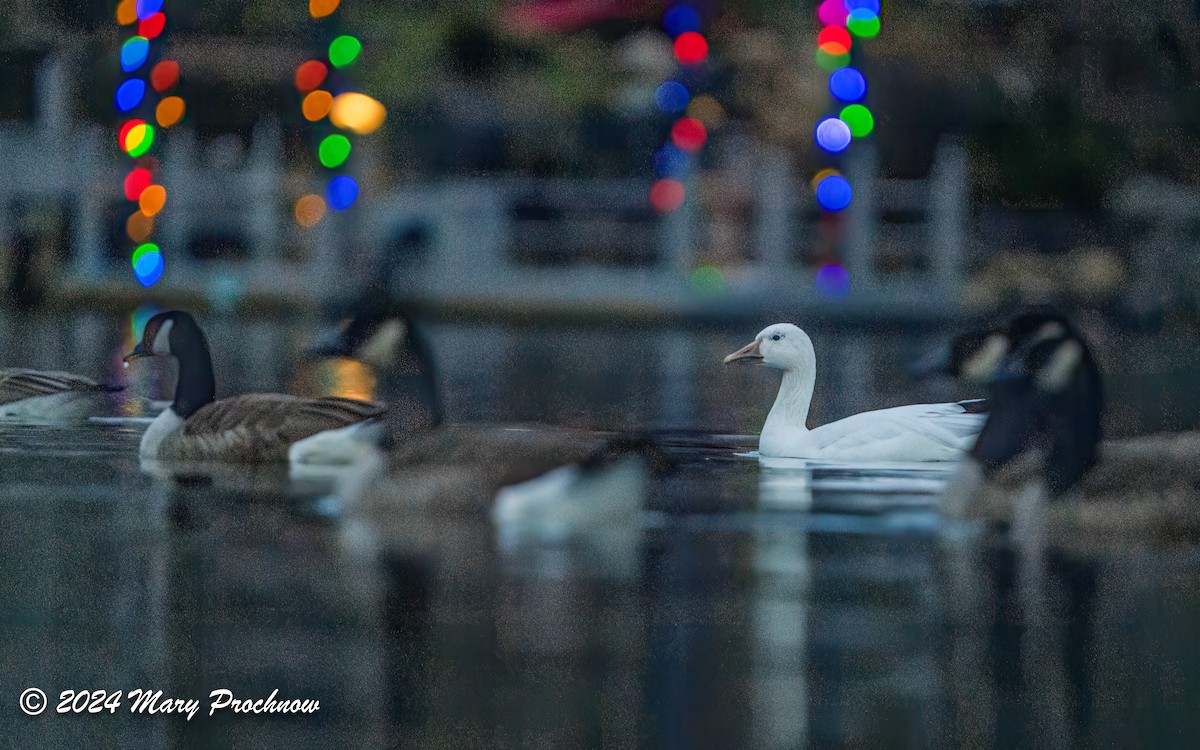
[[749, 606]]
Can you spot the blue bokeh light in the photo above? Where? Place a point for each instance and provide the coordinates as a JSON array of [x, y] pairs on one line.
[[871, 5], [833, 281], [670, 161], [680, 19], [341, 193], [833, 135], [130, 94], [149, 268], [134, 53], [848, 85], [834, 193], [147, 8], [672, 97]]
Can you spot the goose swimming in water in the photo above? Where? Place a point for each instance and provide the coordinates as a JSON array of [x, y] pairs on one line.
[[919, 432], [253, 428], [1043, 444], [49, 397], [548, 481]]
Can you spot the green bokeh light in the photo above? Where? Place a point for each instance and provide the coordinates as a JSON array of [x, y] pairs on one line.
[[859, 119], [334, 150], [708, 279], [141, 250], [344, 50], [863, 23]]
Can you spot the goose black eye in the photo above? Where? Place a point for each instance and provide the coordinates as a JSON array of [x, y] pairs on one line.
[[777, 336]]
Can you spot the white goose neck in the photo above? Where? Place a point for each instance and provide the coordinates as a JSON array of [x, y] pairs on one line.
[[795, 396]]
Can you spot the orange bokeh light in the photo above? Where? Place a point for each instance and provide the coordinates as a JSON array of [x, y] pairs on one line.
[[169, 111], [152, 200], [316, 105], [322, 8], [139, 227]]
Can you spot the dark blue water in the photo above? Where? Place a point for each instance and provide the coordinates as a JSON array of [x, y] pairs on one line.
[[794, 606]]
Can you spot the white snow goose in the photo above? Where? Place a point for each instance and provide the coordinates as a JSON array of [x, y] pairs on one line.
[[918, 432]]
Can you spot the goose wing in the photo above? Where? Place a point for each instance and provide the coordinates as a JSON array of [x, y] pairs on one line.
[[918, 432], [17, 385], [261, 427]]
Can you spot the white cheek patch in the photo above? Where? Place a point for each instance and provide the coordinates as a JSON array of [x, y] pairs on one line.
[[1054, 377], [384, 345], [984, 363], [1048, 331], [162, 339]]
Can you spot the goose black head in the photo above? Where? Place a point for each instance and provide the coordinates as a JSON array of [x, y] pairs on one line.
[[169, 334], [976, 357], [175, 334], [391, 341], [968, 355], [1045, 393]]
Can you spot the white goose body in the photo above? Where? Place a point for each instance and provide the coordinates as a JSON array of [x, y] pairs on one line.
[[253, 428], [918, 432]]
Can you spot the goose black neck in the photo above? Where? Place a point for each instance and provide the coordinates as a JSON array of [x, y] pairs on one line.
[[195, 387], [415, 375]]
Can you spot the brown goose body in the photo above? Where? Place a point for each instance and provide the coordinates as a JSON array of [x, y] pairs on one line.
[[259, 428], [460, 468], [1140, 488], [46, 395], [426, 469], [18, 385]]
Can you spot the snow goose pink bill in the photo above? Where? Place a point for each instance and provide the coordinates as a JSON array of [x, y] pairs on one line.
[[918, 432]]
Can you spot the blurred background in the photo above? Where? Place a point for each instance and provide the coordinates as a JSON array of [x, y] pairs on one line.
[[589, 203], [617, 165]]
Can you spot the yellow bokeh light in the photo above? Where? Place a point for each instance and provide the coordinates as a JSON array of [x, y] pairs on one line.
[[316, 105], [139, 227], [309, 209], [127, 12], [352, 379], [707, 110], [322, 8], [169, 111], [152, 199], [357, 113]]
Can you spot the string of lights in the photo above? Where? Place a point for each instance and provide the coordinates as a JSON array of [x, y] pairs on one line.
[[842, 22], [688, 134], [328, 101], [133, 100]]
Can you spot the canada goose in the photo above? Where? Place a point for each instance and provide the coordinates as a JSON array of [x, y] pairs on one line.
[[394, 343], [510, 472], [1044, 438], [253, 428], [918, 432], [545, 480], [49, 397]]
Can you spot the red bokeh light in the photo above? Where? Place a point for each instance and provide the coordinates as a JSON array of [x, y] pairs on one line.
[[834, 39], [667, 195], [310, 74], [137, 181], [689, 134], [152, 26], [691, 47], [164, 75]]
